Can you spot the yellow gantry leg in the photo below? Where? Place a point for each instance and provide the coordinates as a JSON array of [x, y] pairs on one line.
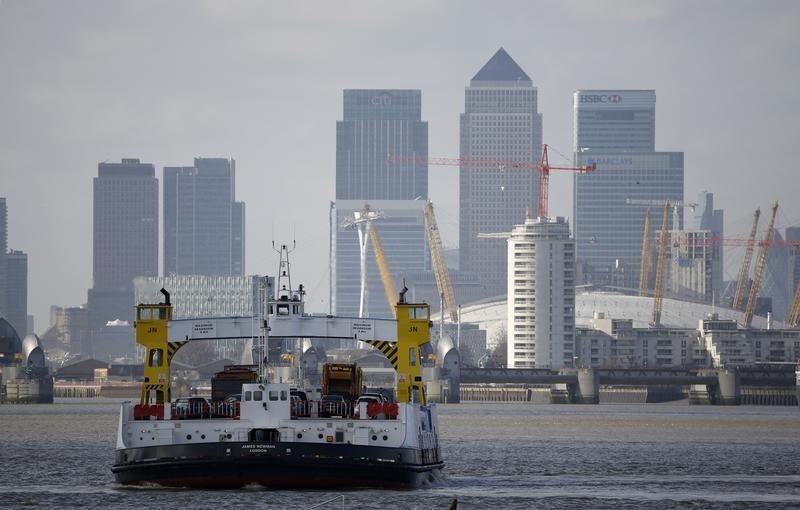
[[151, 332]]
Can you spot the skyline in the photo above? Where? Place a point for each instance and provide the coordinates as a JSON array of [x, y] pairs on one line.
[[95, 82]]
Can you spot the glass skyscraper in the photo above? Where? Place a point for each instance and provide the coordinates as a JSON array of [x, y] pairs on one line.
[[125, 224], [381, 148], [203, 224], [501, 122], [615, 129], [378, 125], [125, 238]]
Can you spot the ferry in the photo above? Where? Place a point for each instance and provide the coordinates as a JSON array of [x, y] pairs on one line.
[[265, 437]]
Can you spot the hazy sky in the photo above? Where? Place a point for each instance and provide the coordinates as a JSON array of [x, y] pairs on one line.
[[89, 81]]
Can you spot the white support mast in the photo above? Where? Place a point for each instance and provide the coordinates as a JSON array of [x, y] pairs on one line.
[[362, 221]]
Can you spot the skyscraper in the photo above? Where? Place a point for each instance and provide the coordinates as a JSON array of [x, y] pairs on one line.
[[125, 237], [13, 279], [501, 122], [615, 121], [705, 217], [615, 129], [3, 250], [541, 294], [203, 224], [377, 124], [17, 291]]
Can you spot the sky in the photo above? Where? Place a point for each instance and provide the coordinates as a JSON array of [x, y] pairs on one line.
[[261, 82]]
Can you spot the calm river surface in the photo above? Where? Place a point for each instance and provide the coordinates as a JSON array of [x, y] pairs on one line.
[[498, 455]]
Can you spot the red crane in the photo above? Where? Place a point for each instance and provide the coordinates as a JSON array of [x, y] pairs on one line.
[[543, 166], [544, 178]]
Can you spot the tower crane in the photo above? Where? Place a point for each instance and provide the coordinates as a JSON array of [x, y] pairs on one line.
[[758, 276], [741, 282], [440, 271], [544, 178], [663, 246], [543, 165], [644, 270]]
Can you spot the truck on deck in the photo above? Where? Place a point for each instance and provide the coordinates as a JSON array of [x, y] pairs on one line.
[[341, 379]]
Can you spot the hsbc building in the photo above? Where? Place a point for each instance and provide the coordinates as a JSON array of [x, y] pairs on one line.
[[615, 129]]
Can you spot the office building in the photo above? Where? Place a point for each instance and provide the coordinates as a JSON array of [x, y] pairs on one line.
[[501, 122], [203, 224], [377, 125], [691, 264], [16, 299], [196, 296], [541, 294], [402, 234], [125, 237], [13, 279], [614, 121], [381, 149], [615, 129], [3, 250], [705, 217]]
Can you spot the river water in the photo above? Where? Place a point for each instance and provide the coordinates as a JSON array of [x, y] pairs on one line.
[[498, 456]]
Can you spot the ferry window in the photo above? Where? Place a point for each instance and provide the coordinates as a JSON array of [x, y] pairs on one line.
[[156, 355], [144, 313], [283, 309], [258, 395], [418, 312], [162, 313], [412, 356], [270, 309], [273, 395], [248, 395], [283, 395]]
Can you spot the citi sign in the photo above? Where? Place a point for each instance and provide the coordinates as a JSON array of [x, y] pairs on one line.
[[601, 98]]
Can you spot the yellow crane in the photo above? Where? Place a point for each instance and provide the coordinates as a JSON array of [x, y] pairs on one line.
[[741, 282], [383, 268], [663, 246], [644, 270], [440, 270], [761, 264]]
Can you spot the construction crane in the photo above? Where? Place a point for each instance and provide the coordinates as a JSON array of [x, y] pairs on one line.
[[741, 282], [663, 246], [676, 205], [761, 264], [364, 221], [644, 270], [544, 178], [440, 271], [383, 268], [543, 166]]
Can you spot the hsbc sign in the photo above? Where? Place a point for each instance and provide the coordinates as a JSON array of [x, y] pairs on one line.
[[601, 98]]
